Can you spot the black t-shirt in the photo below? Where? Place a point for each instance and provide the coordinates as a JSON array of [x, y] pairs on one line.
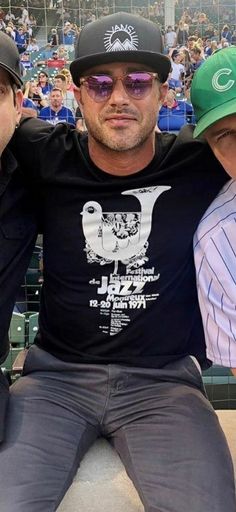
[[119, 277], [17, 239]]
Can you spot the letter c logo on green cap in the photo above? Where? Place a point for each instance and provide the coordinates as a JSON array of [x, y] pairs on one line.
[[216, 77]]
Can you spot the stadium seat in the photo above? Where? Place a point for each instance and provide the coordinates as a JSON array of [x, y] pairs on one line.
[[220, 386], [32, 327], [17, 329]]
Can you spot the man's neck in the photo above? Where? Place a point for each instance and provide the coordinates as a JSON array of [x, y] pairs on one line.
[[56, 110], [121, 163]]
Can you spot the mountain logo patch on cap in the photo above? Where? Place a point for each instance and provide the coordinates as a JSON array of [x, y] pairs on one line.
[[217, 76], [121, 38]]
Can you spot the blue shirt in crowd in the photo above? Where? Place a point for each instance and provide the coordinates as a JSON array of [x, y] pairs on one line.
[[64, 115], [174, 118]]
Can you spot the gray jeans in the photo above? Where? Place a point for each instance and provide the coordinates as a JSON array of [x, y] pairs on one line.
[[3, 403], [159, 421]]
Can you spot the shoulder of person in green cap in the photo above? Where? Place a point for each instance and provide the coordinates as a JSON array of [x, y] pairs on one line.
[[17, 229], [120, 343], [213, 96]]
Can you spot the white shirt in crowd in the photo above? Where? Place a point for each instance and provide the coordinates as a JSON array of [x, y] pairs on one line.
[[215, 260], [170, 39], [177, 69]]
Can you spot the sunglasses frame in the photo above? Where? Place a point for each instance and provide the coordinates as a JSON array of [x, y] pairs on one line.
[[84, 81]]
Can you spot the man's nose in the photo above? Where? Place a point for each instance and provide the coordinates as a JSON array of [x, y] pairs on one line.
[[119, 94]]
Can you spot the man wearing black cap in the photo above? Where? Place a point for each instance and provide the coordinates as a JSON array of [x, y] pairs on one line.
[[17, 231], [121, 341]]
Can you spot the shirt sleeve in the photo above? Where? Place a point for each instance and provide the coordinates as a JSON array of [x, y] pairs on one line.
[[216, 283], [34, 144]]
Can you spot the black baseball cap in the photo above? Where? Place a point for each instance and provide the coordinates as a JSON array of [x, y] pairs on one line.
[[10, 58], [120, 37], [174, 54]]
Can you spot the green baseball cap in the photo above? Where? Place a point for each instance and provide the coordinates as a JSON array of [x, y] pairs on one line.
[[213, 89]]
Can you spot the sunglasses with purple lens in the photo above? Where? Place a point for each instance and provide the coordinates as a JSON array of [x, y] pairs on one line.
[[137, 84]]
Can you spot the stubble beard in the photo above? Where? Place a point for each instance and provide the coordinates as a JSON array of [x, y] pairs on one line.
[[125, 141]]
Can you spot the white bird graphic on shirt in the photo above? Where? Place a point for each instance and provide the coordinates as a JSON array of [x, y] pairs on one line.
[[120, 236]]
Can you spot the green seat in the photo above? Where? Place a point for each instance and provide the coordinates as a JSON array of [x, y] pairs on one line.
[[9, 361], [216, 370], [220, 387], [32, 327], [17, 329]]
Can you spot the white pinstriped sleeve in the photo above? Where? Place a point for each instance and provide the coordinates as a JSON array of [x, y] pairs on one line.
[[215, 260]]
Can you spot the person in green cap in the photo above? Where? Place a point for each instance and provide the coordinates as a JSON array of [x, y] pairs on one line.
[[213, 95]]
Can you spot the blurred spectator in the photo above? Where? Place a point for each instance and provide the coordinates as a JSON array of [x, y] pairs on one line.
[[55, 61], [67, 35], [11, 30], [28, 108], [53, 38], [32, 24], [56, 112], [21, 39], [2, 25], [208, 48], [209, 31], [33, 92], [176, 85], [196, 57], [181, 34], [69, 83], [68, 96], [177, 69], [223, 43], [170, 38], [185, 60], [191, 42], [226, 34], [26, 61], [24, 18], [32, 46], [62, 53], [9, 17], [174, 113], [43, 82], [233, 39]]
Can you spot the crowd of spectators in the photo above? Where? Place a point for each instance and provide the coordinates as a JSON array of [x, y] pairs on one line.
[[45, 33]]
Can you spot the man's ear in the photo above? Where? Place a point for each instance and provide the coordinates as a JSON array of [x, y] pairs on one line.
[[77, 94], [18, 104], [163, 91]]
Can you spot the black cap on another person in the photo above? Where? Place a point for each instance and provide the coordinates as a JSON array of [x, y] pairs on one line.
[[120, 37], [174, 54], [10, 58]]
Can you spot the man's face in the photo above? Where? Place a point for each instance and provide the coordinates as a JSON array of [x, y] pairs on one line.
[[56, 100], [58, 83], [42, 78], [10, 111], [221, 137], [120, 123], [177, 58], [25, 57]]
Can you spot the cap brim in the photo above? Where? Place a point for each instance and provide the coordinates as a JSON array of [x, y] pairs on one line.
[[14, 75], [160, 63], [217, 113]]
